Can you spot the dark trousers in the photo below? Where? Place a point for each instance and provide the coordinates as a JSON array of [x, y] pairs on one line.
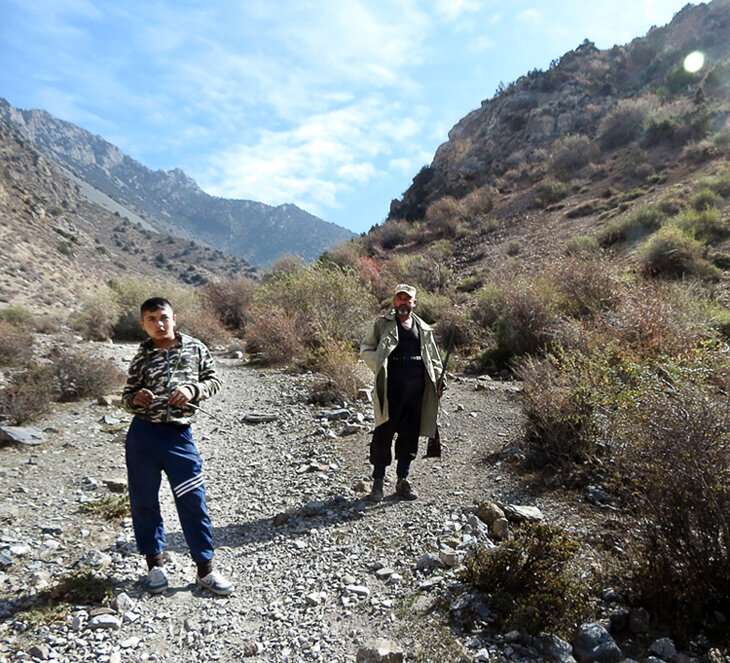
[[405, 400], [153, 448]]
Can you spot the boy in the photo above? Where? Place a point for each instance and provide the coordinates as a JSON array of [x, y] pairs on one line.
[[170, 372]]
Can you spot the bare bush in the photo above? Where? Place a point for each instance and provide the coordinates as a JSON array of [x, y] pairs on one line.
[[444, 216], [204, 326], [343, 373], [98, 315], [588, 285], [76, 375], [681, 571], [28, 395], [656, 318], [16, 345], [571, 153], [624, 122], [275, 334], [231, 301]]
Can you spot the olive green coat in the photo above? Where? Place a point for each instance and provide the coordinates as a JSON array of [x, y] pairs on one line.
[[375, 349]]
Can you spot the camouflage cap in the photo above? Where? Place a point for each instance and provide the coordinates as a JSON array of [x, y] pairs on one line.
[[408, 289]]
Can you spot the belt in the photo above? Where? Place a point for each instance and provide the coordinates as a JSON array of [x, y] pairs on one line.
[[406, 359]]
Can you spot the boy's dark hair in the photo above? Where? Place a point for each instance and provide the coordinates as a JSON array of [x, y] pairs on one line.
[[153, 304]]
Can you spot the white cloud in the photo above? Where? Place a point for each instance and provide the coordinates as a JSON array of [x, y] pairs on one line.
[[530, 16], [453, 9]]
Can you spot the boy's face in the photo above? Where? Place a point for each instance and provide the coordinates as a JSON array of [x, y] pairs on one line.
[[160, 325]]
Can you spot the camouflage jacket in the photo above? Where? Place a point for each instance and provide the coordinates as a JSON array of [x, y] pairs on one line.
[[186, 364]]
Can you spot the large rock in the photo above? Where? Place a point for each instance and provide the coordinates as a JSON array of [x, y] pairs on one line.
[[594, 643], [519, 514], [382, 651], [21, 435]]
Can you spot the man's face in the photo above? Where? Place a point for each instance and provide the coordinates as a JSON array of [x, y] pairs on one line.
[[160, 325], [403, 304]]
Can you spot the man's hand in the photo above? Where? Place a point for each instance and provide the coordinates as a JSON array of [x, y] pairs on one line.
[[143, 398], [442, 389], [181, 395]]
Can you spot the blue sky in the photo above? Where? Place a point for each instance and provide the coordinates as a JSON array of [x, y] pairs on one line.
[[333, 105]]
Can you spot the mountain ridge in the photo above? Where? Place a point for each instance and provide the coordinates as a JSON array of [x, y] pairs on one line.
[[172, 200]]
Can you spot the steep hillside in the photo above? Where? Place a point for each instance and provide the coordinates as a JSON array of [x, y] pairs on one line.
[[55, 244], [571, 149], [172, 201]]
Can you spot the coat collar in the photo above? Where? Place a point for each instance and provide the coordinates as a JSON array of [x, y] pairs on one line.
[[390, 316]]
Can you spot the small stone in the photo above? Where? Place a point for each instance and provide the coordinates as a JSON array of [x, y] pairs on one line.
[[594, 644], [123, 603], [664, 648], [336, 415], [104, 622], [259, 418], [39, 651], [359, 590], [313, 508]]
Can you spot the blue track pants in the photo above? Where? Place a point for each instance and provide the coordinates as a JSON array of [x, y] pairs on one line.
[[152, 448]]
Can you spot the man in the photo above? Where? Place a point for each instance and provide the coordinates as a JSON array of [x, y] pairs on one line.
[[401, 351], [169, 374]]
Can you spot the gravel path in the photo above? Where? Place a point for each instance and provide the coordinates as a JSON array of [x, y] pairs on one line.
[[319, 572]]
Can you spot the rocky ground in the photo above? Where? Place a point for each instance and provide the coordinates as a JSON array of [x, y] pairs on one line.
[[320, 573]]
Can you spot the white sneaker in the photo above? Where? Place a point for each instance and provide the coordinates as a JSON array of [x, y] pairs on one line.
[[216, 583], [156, 580]]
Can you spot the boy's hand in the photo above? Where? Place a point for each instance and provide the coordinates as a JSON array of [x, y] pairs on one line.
[[143, 398], [181, 396]]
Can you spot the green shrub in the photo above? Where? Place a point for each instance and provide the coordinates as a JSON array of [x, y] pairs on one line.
[[429, 272], [720, 183], [550, 191], [705, 199], [524, 325], [633, 227], [705, 225], [65, 248], [74, 589], [514, 248], [109, 507], [658, 318], [16, 315], [674, 254], [393, 234], [561, 395], [16, 345], [582, 246], [587, 285], [530, 581]]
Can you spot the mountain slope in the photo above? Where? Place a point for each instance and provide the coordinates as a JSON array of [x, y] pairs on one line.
[[508, 142], [56, 245], [172, 201]]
